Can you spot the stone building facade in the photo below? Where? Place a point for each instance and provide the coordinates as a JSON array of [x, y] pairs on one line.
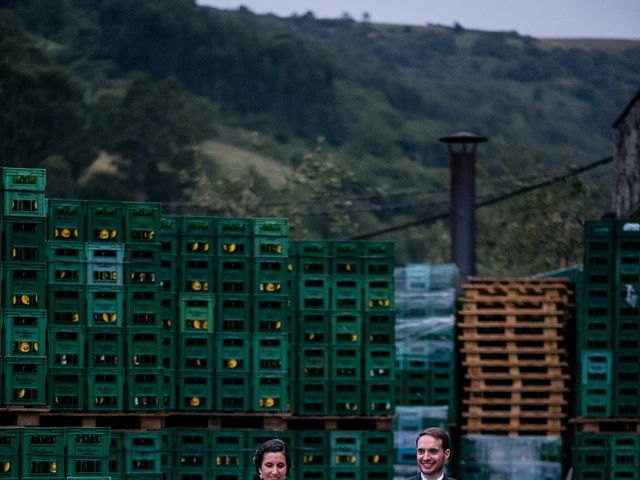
[[626, 137]]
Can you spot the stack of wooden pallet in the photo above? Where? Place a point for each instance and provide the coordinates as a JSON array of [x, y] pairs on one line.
[[514, 355]]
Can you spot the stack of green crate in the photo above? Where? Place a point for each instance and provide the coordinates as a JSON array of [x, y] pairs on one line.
[[169, 316], [607, 455], [229, 459], [105, 306], [196, 305], [378, 329], [87, 452], [54, 452], [66, 312], [144, 331], [595, 320], [608, 349], [608, 341], [136, 455], [425, 303], [311, 268], [269, 315], [24, 317], [343, 305], [233, 314]]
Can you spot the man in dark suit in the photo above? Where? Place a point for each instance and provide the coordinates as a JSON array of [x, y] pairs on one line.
[[432, 450]]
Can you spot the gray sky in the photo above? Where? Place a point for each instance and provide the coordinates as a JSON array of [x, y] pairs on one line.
[[538, 18]]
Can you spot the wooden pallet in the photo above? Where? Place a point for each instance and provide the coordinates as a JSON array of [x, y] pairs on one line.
[[512, 346], [511, 372], [606, 425], [511, 334], [494, 307], [482, 397], [549, 424], [44, 417], [516, 383], [505, 319], [516, 409], [514, 358]]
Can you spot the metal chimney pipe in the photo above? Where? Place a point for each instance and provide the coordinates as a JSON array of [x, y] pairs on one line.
[[462, 151]]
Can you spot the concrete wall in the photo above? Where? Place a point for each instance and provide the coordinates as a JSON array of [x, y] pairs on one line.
[[626, 193]]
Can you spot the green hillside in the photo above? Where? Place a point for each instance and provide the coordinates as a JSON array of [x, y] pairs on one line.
[[331, 123]]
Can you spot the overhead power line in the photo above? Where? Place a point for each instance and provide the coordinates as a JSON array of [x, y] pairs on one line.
[[571, 173]]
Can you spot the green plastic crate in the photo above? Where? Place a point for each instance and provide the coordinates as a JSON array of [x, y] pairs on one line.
[[233, 313], [346, 292], [346, 362], [229, 449], [233, 275], [346, 397], [232, 352], [192, 449], [10, 452], [142, 452], [269, 392], [142, 221], [379, 293], [313, 292], [233, 246], [346, 328], [169, 311], [271, 227], [197, 275], [377, 447], [24, 203], [170, 389], [105, 264], [169, 350], [268, 246], [197, 236], [313, 361], [379, 362], [379, 398], [312, 398], [169, 273], [379, 328], [104, 389], [66, 305], [143, 346], [88, 451], [25, 332], [232, 391], [270, 314], [43, 452], [105, 221], [24, 238], [195, 390], [270, 276], [66, 220], [196, 351], [105, 347], [25, 381], [25, 285], [143, 306], [312, 327], [196, 313], [66, 346], [145, 389], [20, 178], [67, 389], [346, 449], [105, 306], [377, 250], [269, 352], [170, 226]]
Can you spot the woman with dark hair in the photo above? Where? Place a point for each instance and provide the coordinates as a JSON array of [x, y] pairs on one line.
[[272, 460]]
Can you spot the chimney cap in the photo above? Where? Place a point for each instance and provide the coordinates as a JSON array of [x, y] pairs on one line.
[[463, 137]]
